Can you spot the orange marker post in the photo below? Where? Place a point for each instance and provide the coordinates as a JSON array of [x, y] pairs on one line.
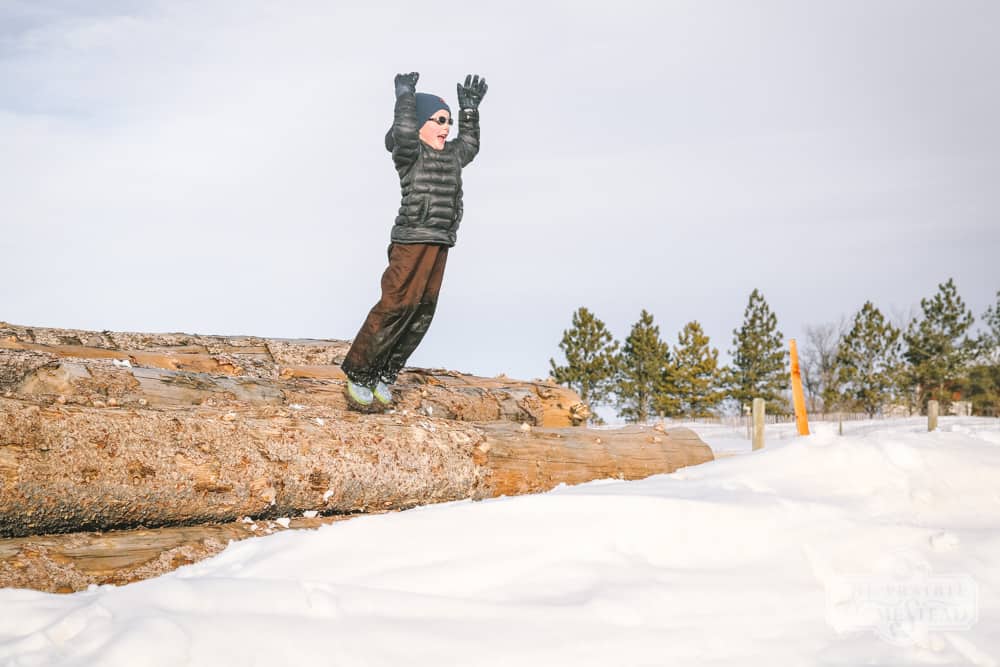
[[798, 396]]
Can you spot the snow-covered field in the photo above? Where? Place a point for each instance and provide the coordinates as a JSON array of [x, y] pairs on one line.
[[879, 547]]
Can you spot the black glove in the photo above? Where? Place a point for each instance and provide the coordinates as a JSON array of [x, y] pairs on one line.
[[471, 94], [406, 83]]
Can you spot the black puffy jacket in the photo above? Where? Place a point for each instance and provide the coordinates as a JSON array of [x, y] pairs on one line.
[[430, 180]]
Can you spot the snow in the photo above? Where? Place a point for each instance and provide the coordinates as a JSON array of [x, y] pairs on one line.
[[878, 547]]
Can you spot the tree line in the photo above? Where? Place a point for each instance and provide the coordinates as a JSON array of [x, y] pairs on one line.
[[861, 364]]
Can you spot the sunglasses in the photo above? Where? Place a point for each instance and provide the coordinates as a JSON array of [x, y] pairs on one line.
[[441, 120]]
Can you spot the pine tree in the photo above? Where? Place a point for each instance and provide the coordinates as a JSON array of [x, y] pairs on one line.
[[983, 389], [991, 339], [758, 369], [983, 385], [938, 348], [590, 354], [643, 370], [868, 361], [695, 381]]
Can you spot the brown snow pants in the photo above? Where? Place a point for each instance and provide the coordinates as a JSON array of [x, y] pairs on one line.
[[397, 323]]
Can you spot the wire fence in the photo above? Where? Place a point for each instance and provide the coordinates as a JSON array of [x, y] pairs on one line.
[[742, 420], [745, 421]]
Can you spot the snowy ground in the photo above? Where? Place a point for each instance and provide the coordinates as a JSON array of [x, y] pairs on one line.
[[879, 547]]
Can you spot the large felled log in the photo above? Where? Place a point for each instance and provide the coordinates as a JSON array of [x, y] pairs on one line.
[[69, 468], [150, 370]]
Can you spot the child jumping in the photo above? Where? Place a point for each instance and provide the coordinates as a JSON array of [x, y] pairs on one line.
[[430, 179]]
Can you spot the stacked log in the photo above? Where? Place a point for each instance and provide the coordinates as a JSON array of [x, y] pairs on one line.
[[179, 370], [113, 431], [72, 562]]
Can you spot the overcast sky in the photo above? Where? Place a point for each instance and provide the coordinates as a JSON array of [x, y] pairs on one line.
[[218, 167]]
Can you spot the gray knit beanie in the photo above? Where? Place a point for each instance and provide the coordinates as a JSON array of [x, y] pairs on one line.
[[428, 104]]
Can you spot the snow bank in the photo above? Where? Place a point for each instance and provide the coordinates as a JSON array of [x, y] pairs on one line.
[[814, 551]]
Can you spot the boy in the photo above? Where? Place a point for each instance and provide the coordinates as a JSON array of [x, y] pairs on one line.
[[430, 178]]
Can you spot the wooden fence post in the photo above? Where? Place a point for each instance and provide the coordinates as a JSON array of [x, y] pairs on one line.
[[758, 423], [798, 396], [932, 415]]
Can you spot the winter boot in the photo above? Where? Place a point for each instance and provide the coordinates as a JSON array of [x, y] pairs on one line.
[[382, 394], [359, 397]]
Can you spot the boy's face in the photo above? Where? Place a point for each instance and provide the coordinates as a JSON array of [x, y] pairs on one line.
[[433, 134]]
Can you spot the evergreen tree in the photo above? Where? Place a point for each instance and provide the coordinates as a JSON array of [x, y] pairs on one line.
[[695, 378], [983, 385], [759, 369], [938, 348], [868, 361], [991, 339], [643, 370], [590, 358], [983, 389]]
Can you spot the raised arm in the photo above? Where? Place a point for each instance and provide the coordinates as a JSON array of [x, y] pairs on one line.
[[403, 140], [469, 97], [468, 135]]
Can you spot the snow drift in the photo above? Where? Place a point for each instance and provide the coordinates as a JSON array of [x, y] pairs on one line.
[[881, 546]]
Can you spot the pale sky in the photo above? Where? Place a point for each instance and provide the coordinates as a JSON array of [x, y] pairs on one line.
[[218, 167]]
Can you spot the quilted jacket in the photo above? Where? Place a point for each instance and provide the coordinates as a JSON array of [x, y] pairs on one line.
[[430, 180]]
